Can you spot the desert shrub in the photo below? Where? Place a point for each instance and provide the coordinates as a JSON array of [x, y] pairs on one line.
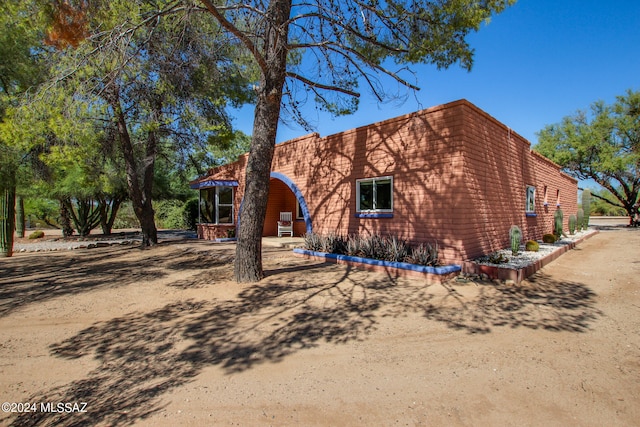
[[532, 246], [395, 249], [332, 244], [497, 258], [390, 248], [38, 234], [549, 238], [353, 245], [312, 242], [424, 254], [373, 246]]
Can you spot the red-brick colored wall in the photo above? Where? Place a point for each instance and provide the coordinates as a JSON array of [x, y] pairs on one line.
[[459, 179]]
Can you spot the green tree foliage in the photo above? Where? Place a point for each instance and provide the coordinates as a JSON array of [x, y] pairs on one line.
[[149, 79], [19, 70], [322, 51], [603, 145], [604, 203]]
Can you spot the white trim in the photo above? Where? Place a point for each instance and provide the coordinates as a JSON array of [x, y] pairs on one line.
[[373, 181]]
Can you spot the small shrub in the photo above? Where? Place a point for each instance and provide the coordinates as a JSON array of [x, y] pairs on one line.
[[549, 238], [38, 234], [497, 258], [312, 242], [373, 247], [424, 254], [532, 246], [353, 245], [395, 249], [332, 244]]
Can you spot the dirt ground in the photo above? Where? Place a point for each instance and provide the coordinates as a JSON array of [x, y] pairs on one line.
[[164, 337]]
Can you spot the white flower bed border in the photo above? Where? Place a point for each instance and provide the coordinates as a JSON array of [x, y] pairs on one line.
[[527, 258]]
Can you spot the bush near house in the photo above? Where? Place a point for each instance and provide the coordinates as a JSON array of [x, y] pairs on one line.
[[387, 248]]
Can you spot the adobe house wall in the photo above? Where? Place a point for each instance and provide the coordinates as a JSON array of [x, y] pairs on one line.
[[459, 179], [498, 167]]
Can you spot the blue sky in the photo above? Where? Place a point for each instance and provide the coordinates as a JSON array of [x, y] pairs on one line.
[[535, 63]]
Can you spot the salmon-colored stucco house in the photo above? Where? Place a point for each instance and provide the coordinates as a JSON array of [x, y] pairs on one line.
[[451, 174]]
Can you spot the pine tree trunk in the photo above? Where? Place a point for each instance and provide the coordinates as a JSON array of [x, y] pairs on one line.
[[140, 197], [248, 262], [7, 220], [20, 224]]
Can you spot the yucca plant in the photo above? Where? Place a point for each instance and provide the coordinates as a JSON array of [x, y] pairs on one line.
[[312, 242], [353, 245], [396, 249], [424, 254]]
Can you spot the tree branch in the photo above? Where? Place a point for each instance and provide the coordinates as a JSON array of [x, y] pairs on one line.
[[262, 63]]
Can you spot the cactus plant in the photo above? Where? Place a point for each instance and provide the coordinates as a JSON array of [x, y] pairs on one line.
[[557, 223], [580, 217], [532, 246], [515, 236], [549, 238], [7, 221], [572, 223], [586, 207], [20, 225]]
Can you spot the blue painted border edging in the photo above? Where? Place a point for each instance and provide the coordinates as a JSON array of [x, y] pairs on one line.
[[446, 269], [226, 239], [374, 215]]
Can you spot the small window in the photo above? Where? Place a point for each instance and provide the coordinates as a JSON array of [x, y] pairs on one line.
[[374, 195], [216, 205], [299, 214], [531, 199]]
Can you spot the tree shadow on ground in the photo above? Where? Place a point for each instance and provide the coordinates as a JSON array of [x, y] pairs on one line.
[[539, 303], [143, 356], [42, 277]]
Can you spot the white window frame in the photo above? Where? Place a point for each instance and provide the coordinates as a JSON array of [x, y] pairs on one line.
[[530, 199], [373, 181], [217, 205]]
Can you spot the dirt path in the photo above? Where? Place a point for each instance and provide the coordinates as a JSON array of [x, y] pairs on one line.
[[164, 337]]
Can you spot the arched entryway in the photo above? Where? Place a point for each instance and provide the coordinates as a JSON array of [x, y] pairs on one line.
[[285, 196]]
